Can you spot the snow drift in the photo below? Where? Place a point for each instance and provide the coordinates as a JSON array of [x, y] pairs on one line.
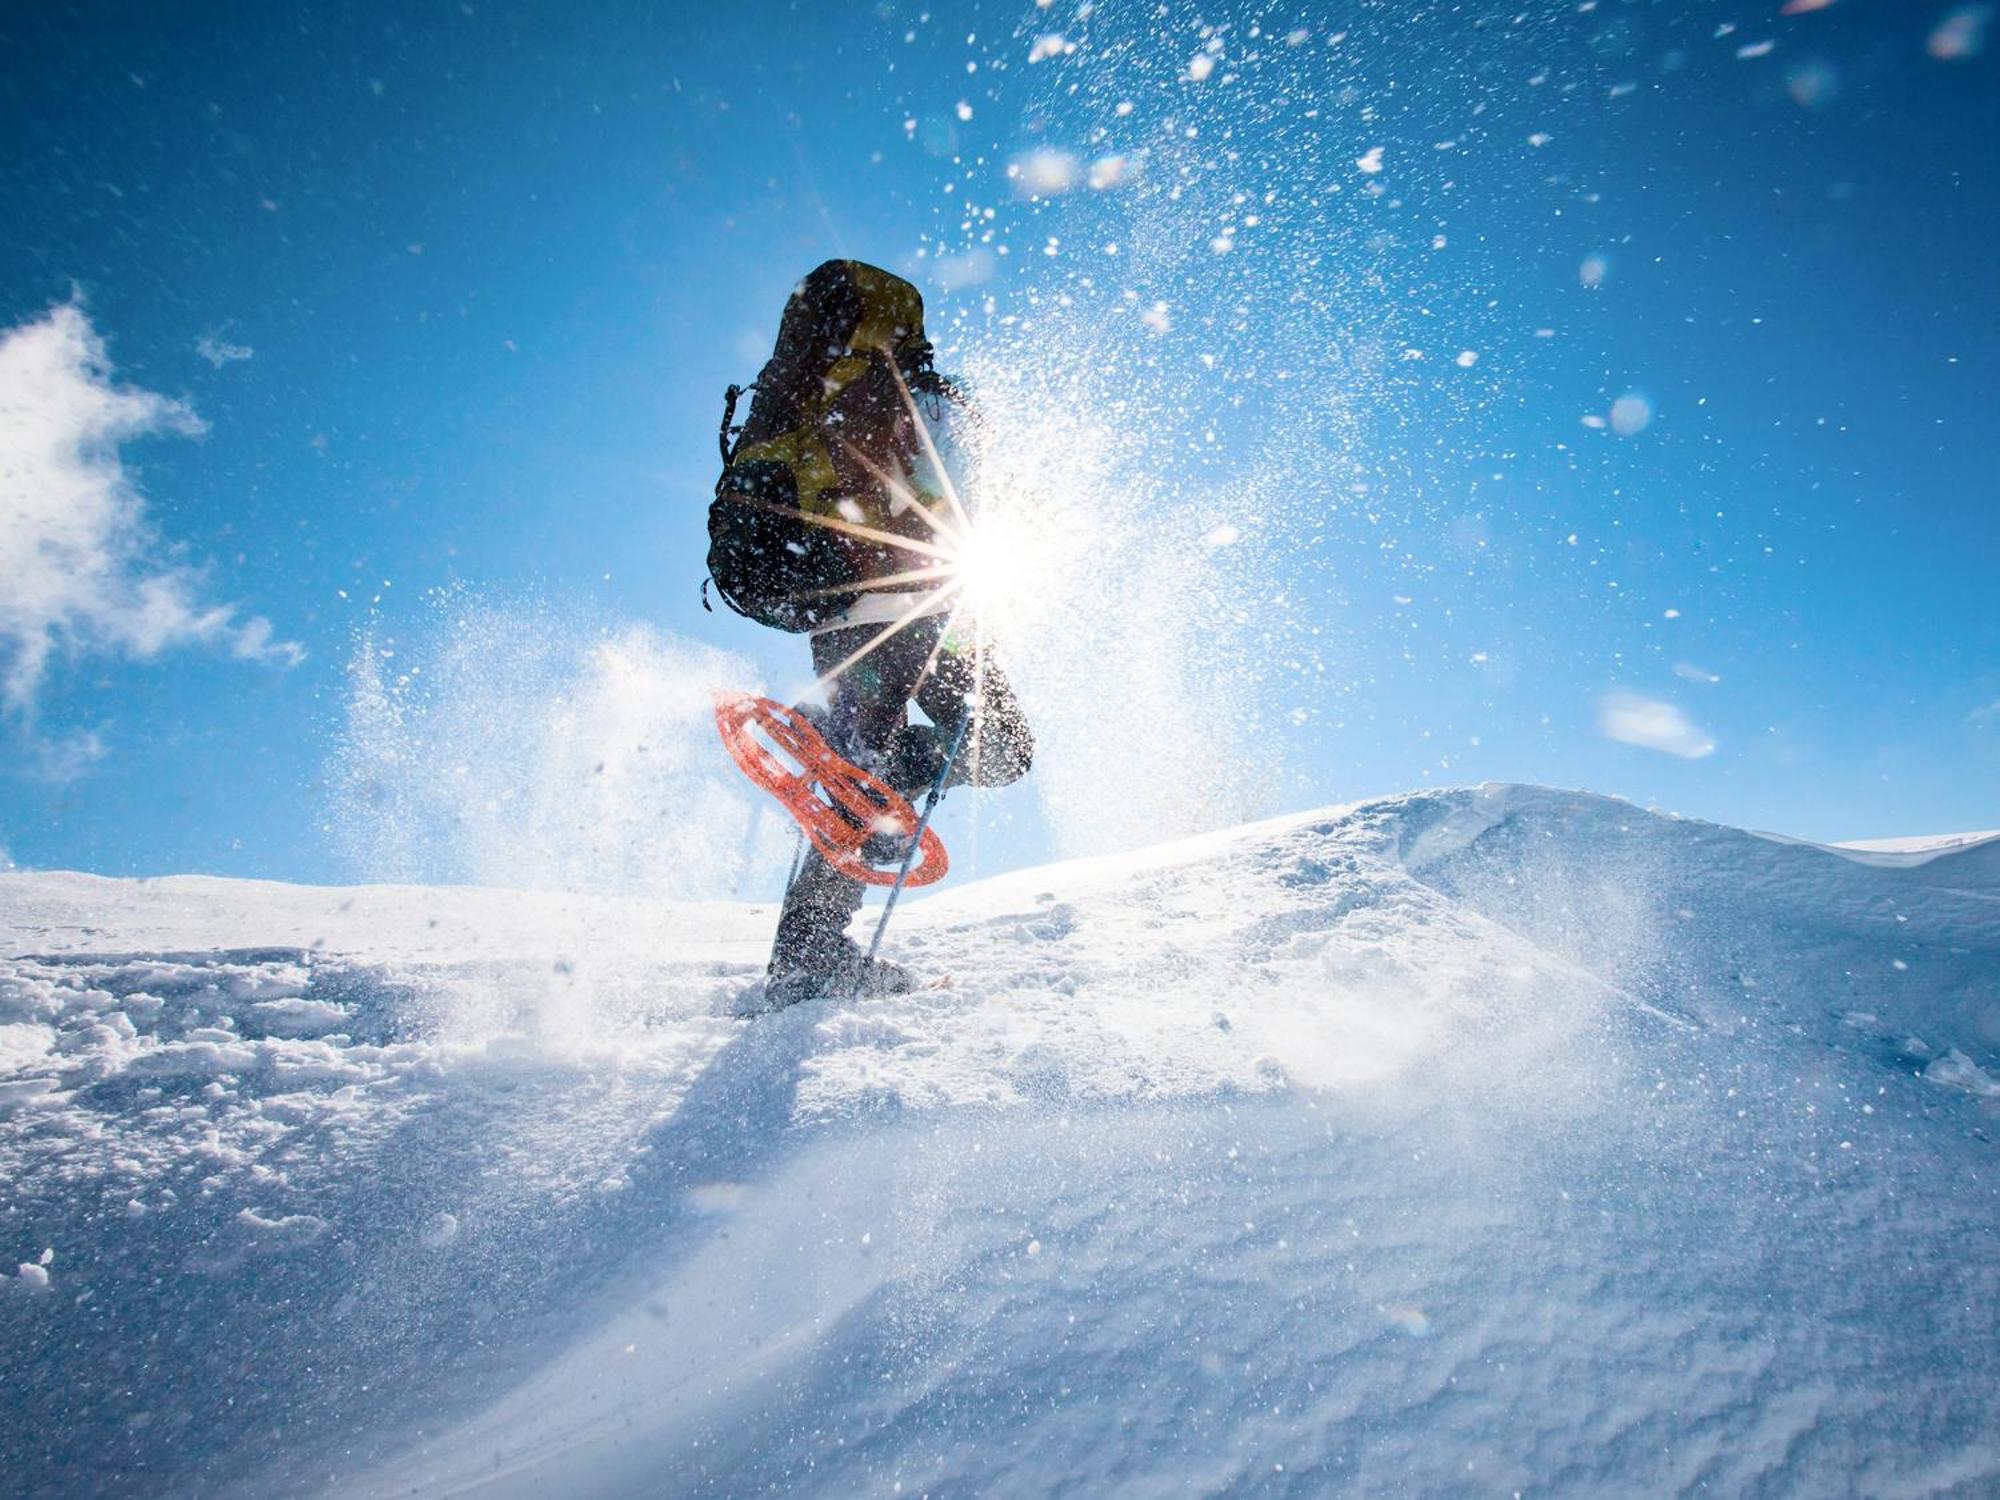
[[1489, 1141]]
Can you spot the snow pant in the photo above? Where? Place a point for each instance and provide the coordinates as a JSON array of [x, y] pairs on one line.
[[868, 722]]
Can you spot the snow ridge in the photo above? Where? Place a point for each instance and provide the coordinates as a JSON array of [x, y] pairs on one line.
[[1493, 1139]]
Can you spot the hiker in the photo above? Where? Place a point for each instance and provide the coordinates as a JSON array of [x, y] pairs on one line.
[[825, 522]]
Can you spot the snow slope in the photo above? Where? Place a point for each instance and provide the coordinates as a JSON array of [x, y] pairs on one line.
[[1469, 1142]]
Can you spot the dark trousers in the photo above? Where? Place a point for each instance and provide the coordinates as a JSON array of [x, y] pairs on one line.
[[868, 722]]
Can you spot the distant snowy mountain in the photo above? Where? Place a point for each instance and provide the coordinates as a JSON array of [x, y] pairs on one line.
[[1476, 1142]]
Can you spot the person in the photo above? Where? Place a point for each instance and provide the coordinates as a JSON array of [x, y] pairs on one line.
[[828, 519]]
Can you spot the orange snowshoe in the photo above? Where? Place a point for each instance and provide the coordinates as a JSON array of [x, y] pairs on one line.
[[847, 813]]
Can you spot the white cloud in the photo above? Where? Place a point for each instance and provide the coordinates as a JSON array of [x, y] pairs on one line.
[[220, 352], [82, 567], [1990, 711], [1647, 722]]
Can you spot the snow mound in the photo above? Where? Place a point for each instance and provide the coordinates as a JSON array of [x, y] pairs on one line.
[[1488, 1140]]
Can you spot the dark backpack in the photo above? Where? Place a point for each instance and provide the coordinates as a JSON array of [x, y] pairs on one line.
[[777, 551]]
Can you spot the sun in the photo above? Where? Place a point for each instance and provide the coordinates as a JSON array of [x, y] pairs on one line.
[[993, 562]]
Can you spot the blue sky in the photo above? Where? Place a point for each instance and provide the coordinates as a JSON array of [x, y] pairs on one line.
[[1593, 395]]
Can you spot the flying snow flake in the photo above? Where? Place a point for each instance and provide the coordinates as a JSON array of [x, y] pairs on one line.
[[1045, 172], [1961, 34], [1224, 535], [1802, 7], [1652, 725], [1199, 67], [1467, 358], [1595, 422], [1755, 49], [964, 110], [956, 272], [1593, 270], [1157, 318], [1370, 161], [1540, 138], [1297, 37], [1692, 673], [1631, 414], [1107, 172], [1410, 1320], [1046, 47], [1812, 83]]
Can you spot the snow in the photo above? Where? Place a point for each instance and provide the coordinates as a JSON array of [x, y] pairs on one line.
[[1491, 1140]]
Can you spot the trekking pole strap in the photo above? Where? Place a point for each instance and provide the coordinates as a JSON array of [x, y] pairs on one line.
[[729, 431], [910, 854]]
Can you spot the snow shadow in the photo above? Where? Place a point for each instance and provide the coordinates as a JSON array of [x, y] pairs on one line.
[[264, 1319]]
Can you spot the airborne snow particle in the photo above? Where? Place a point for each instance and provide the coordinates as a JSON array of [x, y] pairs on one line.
[[1961, 34], [956, 272], [1467, 358], [964, 110], [1370, 161], [1652, 725], [1224, 535], [1801, 7], [1048, 46], [1410, 1319], [1199, 67], [1107, 172], [1593, 270], [1631, 414], [1755, 49], [1812, 83], [1046, 172]]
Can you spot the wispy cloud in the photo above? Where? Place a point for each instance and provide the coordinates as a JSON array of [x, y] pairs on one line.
[[1653, 725], [219, 351], [82, 567], [1983, 715]]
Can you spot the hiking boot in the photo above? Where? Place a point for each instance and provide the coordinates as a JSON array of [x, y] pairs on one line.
[[838, 974]]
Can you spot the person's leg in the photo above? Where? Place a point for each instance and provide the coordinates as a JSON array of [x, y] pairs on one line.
[[999, 747], [867, 709]]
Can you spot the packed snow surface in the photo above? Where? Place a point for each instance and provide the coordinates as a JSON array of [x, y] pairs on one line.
[[1488, 1141]]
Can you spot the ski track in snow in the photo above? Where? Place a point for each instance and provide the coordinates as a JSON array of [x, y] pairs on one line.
[[1465, 1142]]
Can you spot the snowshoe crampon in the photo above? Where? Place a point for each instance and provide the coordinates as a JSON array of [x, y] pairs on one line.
[[847, 813]]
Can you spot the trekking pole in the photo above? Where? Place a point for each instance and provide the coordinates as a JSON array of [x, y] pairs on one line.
[[910, 854], [798, 857]]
